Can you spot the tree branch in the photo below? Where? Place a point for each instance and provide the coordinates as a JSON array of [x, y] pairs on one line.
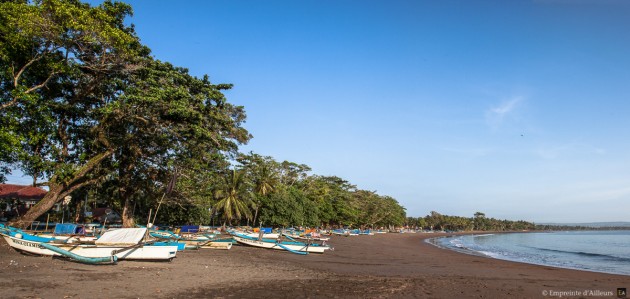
[[16, 79], [90, 165], [75, 187], [21, 71], [52, 74]]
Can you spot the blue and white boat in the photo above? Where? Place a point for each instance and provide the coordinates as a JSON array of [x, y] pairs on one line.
[[290, 244], [192, 240], [119, 244]]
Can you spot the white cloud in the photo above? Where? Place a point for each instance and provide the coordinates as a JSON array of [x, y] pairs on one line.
[[495, 116]]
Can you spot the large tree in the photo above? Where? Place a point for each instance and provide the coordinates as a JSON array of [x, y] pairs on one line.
[[86, 103], [166, 118], [58, 59]]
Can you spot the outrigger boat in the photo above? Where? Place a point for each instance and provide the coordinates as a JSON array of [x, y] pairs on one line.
[[193, 241], [341, 232], [119, 244], [68, 233], [306, 236], [290, 245], [265, 235]]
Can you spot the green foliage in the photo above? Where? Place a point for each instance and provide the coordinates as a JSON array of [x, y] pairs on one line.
[[83, 103], [182, 214], [233, 197], [300, 199], [437, 221], [86, 109], [281, 209], [165, 118], [60, 61]]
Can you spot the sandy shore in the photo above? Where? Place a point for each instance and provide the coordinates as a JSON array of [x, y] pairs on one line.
[[381, 266]]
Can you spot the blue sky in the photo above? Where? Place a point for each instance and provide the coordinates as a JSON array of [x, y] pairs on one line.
[[518, 109]]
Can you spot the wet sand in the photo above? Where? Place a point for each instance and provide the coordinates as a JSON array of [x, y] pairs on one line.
[[380, 266]]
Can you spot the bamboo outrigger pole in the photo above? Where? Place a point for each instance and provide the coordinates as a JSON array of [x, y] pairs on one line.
[[169, 188], [158, 208]]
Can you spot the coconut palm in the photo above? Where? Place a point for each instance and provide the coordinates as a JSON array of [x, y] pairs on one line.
[[265, 180], [234, 199]]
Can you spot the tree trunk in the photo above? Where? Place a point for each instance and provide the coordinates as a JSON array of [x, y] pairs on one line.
[[127, 214], [255, 216], [40, 208], [78, 215], [57, 191]]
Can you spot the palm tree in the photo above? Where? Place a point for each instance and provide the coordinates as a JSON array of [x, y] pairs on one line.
[[265, 180], [234, 200]]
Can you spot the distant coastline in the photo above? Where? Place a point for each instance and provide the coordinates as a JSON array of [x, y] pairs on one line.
[[593, 225]]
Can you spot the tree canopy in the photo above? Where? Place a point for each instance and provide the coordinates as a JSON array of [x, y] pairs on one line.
[[87, 111], [84, 103], [479, 222]]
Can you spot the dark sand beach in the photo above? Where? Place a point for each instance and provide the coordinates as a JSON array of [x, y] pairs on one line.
[[381, 266]]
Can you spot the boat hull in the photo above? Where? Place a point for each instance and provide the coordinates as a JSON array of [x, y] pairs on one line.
[[217, 245], [275, 245], [192, 241], [139, 253]]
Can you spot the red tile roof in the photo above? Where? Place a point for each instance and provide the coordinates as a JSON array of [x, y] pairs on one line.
[[21, 192]]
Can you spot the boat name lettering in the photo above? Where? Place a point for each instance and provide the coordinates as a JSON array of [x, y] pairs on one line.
[[24, 243]]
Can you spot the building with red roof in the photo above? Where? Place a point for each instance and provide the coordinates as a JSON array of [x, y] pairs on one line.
[[21, 192], [18, 199]]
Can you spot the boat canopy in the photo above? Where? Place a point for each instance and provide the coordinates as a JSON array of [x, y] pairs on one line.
[[122, 236]]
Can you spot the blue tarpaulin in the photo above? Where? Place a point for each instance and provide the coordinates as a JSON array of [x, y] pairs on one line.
[[190, 229], [68, 229]]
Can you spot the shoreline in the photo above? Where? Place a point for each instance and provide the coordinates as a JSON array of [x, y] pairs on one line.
[[380, 266], [433, 241]]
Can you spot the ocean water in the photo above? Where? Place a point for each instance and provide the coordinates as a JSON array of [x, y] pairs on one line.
[[599, 251]]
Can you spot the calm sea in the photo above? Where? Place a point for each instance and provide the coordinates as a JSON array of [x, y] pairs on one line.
[[600, 251]]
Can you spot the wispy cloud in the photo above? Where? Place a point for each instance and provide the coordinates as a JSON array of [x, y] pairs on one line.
[[496, 115], [555, 151]]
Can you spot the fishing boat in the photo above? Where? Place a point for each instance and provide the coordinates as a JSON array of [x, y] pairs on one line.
[[366, 232], [290, 244], [265, 235], [206, 242], [193, 241], [180, 246], [341, 232], [306, 236], [119, 244], [68, 233]]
